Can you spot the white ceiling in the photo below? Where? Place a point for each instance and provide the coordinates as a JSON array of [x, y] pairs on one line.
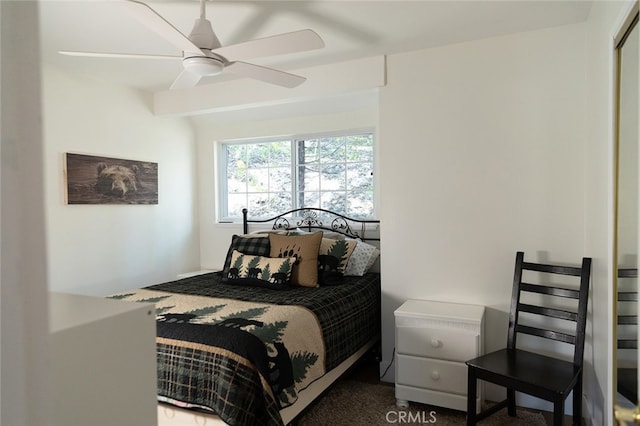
[[350, 30]]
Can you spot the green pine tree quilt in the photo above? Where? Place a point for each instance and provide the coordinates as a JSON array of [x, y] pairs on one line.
[[195, 329]]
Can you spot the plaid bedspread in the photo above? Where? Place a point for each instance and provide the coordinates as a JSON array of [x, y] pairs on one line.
[[246, 352]]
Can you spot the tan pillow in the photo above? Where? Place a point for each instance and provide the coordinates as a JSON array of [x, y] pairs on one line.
[[305, 248]]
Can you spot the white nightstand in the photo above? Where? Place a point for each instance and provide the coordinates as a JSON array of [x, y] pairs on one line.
[[433, 340]]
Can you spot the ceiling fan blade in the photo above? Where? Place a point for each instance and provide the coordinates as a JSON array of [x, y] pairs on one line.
[[117, 55], [297, 41], [268, 75], [149, 17], [185, 80]]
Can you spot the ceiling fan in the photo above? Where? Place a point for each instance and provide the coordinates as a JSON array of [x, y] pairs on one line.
[[203, 55]]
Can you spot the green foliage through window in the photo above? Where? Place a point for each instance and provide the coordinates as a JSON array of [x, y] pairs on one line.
[[271, 177]]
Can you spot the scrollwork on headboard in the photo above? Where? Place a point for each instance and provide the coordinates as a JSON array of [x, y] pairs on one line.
[[314, 219]]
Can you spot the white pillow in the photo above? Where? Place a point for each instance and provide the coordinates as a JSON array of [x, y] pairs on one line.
[[362, 258], [372, 259]]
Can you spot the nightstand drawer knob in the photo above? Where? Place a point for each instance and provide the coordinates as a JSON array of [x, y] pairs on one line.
[[436, 343], [435, 375]]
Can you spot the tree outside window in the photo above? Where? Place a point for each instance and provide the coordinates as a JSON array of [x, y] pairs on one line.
[[274, 176]]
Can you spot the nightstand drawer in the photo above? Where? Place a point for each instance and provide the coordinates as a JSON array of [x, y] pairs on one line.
[[433, 374], [442, 343]]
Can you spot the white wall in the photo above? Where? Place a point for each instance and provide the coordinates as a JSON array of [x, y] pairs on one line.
[[23, 283], [102, 249], [482, 154], [215, 237]]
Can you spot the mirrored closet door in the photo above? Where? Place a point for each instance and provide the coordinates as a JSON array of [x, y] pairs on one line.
[[626, 309]]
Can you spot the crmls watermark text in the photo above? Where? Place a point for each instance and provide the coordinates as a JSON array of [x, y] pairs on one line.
[[420, 417]]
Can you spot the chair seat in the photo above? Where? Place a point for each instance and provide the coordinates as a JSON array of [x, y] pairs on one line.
[[529, 372]]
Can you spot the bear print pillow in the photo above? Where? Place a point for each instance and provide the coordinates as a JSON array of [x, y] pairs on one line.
[[260, 271], [305, 249]]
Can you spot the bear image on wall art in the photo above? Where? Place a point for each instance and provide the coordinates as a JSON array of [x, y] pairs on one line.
[[103, 180]]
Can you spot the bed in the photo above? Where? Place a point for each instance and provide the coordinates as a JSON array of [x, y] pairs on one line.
[[296, 304]]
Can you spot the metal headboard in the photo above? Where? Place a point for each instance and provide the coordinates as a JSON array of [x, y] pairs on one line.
[[310, 219]]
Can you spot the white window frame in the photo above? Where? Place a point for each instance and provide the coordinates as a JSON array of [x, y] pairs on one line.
[[221, 172]]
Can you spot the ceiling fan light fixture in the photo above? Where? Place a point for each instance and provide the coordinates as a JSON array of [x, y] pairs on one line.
[[203, 66]]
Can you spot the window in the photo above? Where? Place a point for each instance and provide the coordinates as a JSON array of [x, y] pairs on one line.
[[269, 177]]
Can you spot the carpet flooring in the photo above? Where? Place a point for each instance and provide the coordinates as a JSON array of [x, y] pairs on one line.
[[357, 401]]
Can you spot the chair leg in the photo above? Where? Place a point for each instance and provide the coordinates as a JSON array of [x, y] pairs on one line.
[[558, 412], [577, 402], [511, 402], [471, 396]]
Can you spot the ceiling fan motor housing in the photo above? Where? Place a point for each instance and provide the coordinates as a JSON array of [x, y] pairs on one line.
[[203, 66], [202, 35]]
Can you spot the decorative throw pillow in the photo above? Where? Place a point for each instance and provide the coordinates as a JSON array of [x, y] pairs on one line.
[[362, 258], [305, 249], [257, 245], [328, 273], [341, 250], [259, 270], [372, 259]]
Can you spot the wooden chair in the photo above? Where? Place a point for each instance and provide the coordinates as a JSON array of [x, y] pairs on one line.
[[628, 339], [542, 376]]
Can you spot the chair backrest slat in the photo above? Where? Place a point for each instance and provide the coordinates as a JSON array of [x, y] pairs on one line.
[[627, 273], [543, 304], [547, 334], [554, 269], [627, 344], [627, 319], [551, 291], [548, 312], [627, 296]]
